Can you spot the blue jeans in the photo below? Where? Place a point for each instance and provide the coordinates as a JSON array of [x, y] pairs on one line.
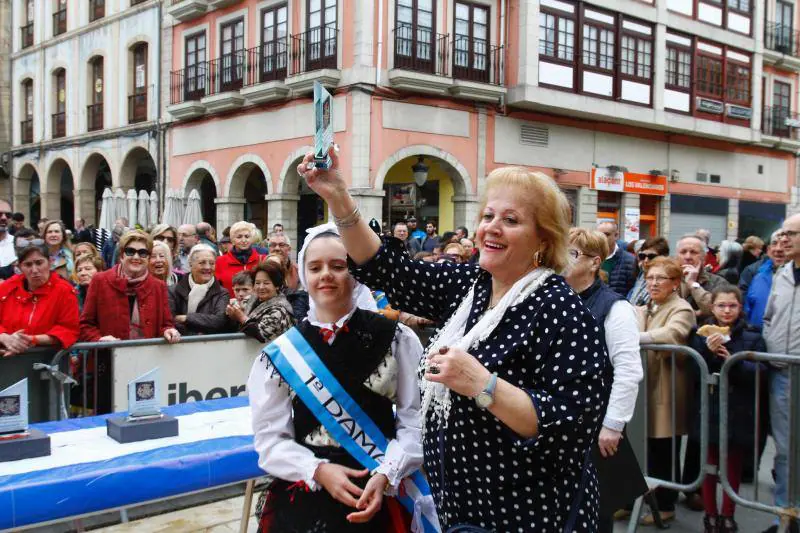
[[779, 415]]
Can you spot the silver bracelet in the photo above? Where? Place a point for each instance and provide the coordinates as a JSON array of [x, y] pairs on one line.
[[348, 221]]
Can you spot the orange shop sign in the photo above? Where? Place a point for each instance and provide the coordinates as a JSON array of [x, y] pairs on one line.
[[603, 179]]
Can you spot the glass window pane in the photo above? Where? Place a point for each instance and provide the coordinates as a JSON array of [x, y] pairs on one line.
[[462, 11], [479, 31], [480, 15], [330, 16], [314, 5], [424, 20], [314, 20], [404, 14], [425, 5], [462, 27], [330, 3]]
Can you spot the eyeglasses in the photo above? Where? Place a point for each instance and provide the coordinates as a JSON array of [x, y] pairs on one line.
[[573, 253], [790, 233], [141, 252], [657, 279], [163, 238], [7, 214], [278, 245], [24, 243], [643, 256], [181, 234]]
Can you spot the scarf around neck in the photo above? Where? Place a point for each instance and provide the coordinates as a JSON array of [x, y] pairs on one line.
[[197, 292], [242, 255], [435, 396], [132, 283]]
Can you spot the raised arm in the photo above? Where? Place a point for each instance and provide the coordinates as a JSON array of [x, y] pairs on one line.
[[360, 241]]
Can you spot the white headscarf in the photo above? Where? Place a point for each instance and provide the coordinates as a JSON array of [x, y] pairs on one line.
[[362, 296]]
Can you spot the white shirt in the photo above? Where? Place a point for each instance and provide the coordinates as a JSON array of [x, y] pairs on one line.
[[622, 340], [281, 456], [7, 253]]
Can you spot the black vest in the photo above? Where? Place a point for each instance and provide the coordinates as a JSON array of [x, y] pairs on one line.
[[599, 298], [353, 357]]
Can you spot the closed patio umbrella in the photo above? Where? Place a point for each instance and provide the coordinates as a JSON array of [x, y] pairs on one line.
[[143, 209], [180, 205], [193, 214], [107, 211], [133, 207], [153, 208], [120, 205]]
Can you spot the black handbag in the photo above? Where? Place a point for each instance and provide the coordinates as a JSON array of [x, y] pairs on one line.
[[466, 528]]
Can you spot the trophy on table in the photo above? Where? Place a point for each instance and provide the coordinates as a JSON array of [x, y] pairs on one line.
[[323, 133], [145, 420], [17, 440]]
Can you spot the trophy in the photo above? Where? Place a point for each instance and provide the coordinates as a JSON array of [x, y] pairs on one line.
[[323, 134], [17, 440], [145, 420]]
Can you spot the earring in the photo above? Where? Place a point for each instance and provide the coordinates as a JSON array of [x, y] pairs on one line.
[[537, 259]]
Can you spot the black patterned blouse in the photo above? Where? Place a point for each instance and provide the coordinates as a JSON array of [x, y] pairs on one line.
[[480, 471]]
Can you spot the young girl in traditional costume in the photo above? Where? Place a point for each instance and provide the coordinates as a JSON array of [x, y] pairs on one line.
[[367, 367]]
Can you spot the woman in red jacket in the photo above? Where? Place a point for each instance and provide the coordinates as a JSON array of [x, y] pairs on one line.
[[126, 302], [242, 255], [37, 307]]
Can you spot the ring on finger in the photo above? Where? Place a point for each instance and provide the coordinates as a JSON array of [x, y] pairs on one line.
[[433, 369]]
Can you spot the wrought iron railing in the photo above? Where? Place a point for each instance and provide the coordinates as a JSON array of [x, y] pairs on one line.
[[94, 117], [26, 131], [420, 50], [137, 108], [780, 122], [477, 60], [59, 124], [782, 38], [314, 49], [267, 62], [226, 73], [27, 35], [60, 22], [188, 83]]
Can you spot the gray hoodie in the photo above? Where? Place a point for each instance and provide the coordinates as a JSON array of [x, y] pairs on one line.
[[782, 315]]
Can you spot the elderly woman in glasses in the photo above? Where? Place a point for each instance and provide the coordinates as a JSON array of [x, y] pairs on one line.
[[169, 236], [126, 302], [198, 301], [650, 249], [666, 319], [37, 306]]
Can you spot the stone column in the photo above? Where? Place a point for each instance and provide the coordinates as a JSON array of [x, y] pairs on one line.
[[663, 218], [51, 205], [733, 219], [360, 146], [282, 209], [229, 210], [587, 208], [84, 206], [465, 211], [370, 203], [21, 201]]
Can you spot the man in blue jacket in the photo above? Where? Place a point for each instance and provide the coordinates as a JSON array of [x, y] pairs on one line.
[[758, 292], [620, 265]]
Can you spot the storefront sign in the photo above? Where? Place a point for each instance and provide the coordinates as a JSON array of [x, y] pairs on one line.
[[632, 224], [710, 106], [740, 112], [605, 180]]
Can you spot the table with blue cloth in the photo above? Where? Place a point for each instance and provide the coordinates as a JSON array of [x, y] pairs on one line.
[[88, 472]]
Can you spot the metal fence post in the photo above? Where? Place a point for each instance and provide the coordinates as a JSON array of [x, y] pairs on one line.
[[794, 437]]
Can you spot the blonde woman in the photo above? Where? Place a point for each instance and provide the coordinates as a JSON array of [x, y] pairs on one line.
[[161, 263], [514, 381], [242, 255]]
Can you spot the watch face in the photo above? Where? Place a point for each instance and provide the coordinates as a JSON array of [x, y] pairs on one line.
[[484, 400]]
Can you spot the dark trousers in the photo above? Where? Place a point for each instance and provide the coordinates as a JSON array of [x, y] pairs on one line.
[[660, 466]]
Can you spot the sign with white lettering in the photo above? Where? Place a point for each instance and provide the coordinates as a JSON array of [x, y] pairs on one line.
[[189, 372], [709, 106]]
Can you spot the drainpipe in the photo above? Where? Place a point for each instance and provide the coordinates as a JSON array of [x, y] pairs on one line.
[[503, 31], [160, 132], [380, 43]]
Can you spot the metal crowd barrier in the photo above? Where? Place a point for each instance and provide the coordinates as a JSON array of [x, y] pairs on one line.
[[59, 401], [638, 428], [793, 455]]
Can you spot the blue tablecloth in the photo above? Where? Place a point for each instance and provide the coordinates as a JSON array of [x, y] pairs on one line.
[[74, 490]]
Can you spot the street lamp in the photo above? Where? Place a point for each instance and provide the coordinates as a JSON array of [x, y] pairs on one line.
[[420, 170]]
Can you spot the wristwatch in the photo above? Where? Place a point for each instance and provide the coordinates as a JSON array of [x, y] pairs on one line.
[[695, 285], [485, 398]]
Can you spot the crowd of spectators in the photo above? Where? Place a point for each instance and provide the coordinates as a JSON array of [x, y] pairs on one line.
[[60, 287]]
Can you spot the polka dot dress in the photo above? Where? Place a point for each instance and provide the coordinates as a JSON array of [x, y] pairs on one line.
[[549, 345]]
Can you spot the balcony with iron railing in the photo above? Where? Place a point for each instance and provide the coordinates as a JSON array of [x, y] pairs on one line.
[[94, 117], [263, 73], [780, 122], [26, 131], [59, 123], [60, 22], [186, 10], [782, 45], [97, 9], [26, 34], [438, 64], [137, 108]]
